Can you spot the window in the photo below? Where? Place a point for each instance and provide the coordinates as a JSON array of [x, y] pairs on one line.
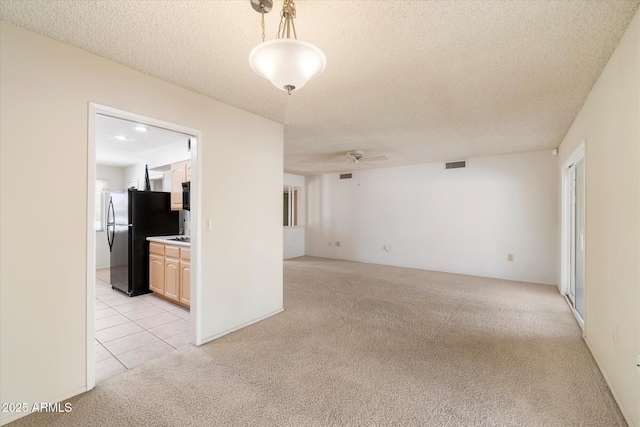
[[102, 191], [290, 206]]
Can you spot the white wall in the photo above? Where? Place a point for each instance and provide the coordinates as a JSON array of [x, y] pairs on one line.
[[459, 220], [115, 181], [168, 154], [295, 180], [294, 242], [294, 237], [166, 182], [135, 173], [45, 91], [609, 122]]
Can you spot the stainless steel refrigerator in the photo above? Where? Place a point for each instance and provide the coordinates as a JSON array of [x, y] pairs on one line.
[[133, 216]]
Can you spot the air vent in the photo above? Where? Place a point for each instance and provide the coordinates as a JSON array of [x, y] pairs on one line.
[[346, 175], [455, 165]]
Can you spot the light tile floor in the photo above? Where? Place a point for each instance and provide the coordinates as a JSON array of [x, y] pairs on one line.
[[131, 331]]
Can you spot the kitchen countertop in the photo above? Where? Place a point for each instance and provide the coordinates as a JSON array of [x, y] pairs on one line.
[[167, 240]]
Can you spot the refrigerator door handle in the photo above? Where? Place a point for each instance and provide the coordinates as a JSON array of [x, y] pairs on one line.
[[110, 234], [111, 214]]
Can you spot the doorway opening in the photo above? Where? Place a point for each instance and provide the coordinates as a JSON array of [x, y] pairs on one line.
[[573, 233], [134, 195]]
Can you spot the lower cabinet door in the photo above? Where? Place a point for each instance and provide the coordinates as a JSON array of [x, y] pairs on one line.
[[156, 273], [172, 279], [185, 280]]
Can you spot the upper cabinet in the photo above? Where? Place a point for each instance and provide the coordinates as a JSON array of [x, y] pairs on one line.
[[180, 172]]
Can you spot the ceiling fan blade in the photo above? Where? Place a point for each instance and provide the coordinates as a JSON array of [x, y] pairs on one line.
[[374, 159], [336, 161]]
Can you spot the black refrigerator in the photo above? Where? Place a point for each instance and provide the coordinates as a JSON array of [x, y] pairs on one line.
[[133, 216]]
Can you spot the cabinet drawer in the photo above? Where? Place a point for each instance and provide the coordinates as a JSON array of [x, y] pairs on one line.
[[172, 251], [156, 248], [185, 254]]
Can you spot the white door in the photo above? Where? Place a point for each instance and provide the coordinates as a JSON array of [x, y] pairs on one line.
[[576, 291]]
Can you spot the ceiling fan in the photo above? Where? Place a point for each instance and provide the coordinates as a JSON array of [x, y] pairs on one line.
[[357, 156]]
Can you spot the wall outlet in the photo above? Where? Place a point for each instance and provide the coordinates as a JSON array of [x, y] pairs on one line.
[[509, 257], [614, 332]]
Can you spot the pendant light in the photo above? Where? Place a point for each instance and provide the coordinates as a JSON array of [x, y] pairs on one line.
[[286, 62]]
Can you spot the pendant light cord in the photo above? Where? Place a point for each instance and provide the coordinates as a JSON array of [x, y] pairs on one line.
[[262, 13]]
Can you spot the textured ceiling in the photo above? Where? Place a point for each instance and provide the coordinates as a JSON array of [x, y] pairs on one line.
[[415, 81]]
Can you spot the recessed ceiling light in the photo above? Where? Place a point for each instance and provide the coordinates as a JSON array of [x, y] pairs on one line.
[[141, 128], [122, 137]]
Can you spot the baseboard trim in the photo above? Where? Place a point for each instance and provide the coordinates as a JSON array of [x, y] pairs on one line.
[[625, 414], [243, 325], [435, 271], [10, 418]]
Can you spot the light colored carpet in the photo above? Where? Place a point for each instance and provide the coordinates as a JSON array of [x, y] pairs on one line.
[[363, 344]]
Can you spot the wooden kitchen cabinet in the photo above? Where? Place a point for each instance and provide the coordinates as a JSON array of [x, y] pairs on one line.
[[185, 279], [170, 272], [180, 172], [171, 275], [156, 267], [156, 273], [185, 276]]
